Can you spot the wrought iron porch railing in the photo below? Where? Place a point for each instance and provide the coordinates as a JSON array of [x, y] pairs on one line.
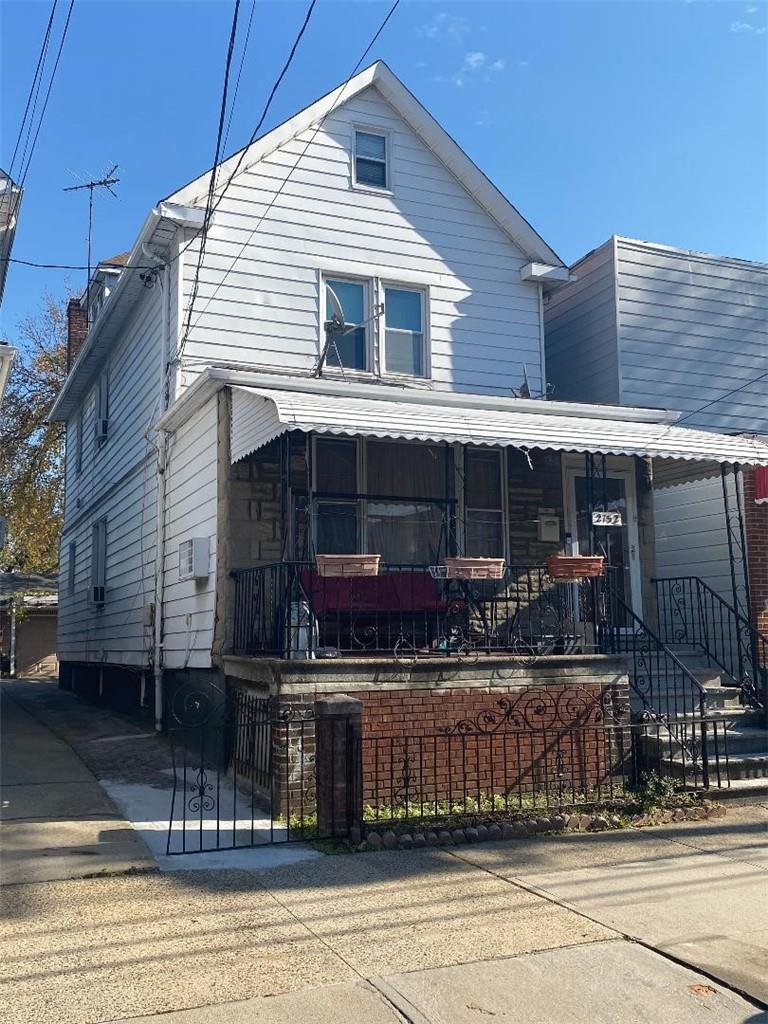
[[286, 610], [692, 613], [662, 689]]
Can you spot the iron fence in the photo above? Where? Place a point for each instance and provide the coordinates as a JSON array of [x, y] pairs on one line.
[[501, 764], [287, 610]]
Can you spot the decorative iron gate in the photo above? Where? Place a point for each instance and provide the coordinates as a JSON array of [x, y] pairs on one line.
[[243, 774]]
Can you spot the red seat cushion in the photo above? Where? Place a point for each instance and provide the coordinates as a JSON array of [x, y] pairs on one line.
[[389, 592]]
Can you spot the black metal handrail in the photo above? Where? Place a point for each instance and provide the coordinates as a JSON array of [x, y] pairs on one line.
[[662, 688], [691, 612], [288, 610]]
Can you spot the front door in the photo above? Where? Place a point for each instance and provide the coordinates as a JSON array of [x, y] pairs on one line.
[[620, 543]]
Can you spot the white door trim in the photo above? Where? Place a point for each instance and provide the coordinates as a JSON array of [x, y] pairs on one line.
[[618, 468]]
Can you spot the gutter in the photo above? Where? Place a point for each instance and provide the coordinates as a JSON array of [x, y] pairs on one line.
[[182, 216], [213, 378]]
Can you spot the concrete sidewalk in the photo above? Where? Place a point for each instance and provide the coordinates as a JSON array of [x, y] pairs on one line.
[[57, 821]]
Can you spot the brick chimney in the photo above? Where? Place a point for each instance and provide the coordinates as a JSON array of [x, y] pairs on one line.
[[77, 328]]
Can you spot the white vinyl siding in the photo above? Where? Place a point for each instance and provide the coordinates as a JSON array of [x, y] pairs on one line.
[[581, 332], [692, 328], [260, 301], [116, 482], [191, 503]]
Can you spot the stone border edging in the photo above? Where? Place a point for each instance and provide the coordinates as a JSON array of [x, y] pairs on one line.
[[387, 839]]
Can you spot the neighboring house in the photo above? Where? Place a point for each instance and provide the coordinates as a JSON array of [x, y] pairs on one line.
[[7, 355], [10, 201], [28, 605], [650, 325], [214, 453]]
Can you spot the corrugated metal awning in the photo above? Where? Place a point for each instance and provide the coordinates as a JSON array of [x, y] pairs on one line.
[[261, 414]]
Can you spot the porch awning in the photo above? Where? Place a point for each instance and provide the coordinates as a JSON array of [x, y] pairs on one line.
[[261, 414]]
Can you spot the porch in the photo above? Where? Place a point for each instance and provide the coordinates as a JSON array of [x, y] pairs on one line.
[[316, 472]]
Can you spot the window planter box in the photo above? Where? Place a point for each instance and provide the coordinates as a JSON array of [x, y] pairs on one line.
[[575, 567], [347, 565], [474, 568]]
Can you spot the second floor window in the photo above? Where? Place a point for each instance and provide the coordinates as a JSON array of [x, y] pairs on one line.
[[351, 344], [102, 408], [79, 442], [404, 325]]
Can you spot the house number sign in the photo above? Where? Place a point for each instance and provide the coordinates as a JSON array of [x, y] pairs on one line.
[[607, 519]]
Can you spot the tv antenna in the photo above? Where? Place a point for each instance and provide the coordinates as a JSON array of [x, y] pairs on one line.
[[337, 327], [106, 181]]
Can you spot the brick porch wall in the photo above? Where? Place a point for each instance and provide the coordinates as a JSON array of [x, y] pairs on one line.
[[406, 752]]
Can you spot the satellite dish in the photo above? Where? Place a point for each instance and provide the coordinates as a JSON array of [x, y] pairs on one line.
[[338, 313]]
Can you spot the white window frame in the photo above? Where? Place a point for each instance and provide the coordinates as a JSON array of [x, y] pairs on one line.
[[423, 291], [99, 561], [79, 442], [375, 337], [369, 290], [362, 185], [101, 408], [71, 566]]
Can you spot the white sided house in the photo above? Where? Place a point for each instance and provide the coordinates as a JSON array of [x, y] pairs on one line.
[[646, 325], [355, 366]]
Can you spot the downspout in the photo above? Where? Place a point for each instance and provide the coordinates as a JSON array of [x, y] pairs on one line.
[[162, 461]]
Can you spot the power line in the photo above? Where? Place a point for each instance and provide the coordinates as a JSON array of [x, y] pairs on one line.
[[238, 165], [721, 398], [239, 73], [217, 155], [285, 180], [48, 93], [38, 74]]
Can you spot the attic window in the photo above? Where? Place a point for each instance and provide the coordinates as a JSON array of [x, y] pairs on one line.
[[371, 160]]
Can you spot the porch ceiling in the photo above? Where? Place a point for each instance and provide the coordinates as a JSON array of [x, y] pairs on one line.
[[261, 414]]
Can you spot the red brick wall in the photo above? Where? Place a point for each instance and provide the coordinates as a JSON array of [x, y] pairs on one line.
[[413, 750], [756, 526], [77, 329]]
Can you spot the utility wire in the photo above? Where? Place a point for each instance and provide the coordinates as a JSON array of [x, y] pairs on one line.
[[720, 398], [236, 170], [285, 180], [239, 74], [38, 74], [48, 93], [216, 158]]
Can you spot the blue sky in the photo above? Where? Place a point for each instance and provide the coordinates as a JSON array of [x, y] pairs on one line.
[[648, 119]]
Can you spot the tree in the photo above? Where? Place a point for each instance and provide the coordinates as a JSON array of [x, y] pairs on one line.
[[32, 450]]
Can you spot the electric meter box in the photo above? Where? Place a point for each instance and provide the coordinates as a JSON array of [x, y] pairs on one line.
[[549, 528]]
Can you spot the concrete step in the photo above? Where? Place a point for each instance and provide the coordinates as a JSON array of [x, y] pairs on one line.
[[739, 740]]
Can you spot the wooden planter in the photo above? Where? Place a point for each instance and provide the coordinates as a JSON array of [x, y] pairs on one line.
[[347, 565], [575, 567], [474, 568]]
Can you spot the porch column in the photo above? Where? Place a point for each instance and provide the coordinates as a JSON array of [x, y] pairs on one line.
[[646, 537]]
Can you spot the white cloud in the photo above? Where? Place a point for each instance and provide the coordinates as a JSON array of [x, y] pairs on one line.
[[523, 63], [483, 119], [752, 10], [445, 26], [744, 28], [498, 65], [473, 61]]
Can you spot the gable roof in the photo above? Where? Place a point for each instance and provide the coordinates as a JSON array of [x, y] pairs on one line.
[[445, 148]]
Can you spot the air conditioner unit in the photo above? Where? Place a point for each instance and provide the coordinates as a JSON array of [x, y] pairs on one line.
[[98, 595], [193, 558]]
